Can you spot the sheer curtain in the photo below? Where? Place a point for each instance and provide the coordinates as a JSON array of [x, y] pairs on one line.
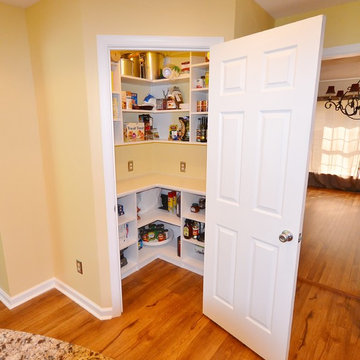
[[336, 147]]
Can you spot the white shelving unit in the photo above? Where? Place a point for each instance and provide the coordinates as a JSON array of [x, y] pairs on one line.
[[149, 200], [162, 119]]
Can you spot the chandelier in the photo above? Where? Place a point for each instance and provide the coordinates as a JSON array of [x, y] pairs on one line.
[[348, 102]]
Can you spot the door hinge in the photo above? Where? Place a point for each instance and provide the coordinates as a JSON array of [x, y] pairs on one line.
[[300, 238], [115, 208]]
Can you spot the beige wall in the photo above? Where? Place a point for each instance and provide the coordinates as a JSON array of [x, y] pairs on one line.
[[56, 42], [128, 17], [4, 284], [251, 18], [62, 38], [160, 158], [342, 23], [24, 216]]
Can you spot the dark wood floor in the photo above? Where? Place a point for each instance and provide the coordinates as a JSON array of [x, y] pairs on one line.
[[163, 319]]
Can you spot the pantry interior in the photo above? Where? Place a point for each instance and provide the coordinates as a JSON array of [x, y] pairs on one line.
[[159, 113]]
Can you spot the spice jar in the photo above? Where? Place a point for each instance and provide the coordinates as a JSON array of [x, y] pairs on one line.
[[202, 203], [195, 208]]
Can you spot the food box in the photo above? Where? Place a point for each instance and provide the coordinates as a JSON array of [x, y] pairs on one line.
[[134, 132], [126, 100]]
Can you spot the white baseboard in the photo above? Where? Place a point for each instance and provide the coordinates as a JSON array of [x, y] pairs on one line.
[[13, 301], [94, 309]]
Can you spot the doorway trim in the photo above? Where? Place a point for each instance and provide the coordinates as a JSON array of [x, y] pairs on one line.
[[341, 51], [105, 43]]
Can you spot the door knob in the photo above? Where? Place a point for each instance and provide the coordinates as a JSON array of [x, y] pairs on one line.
[[286, 236]]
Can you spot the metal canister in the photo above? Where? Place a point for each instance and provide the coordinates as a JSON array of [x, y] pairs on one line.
[[135, 58], [126, 66], [153, 60]]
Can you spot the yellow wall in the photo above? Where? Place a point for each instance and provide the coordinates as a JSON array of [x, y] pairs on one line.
[[342, 23], [160, 158], [251, 18], [4, 284], [62, 38], [55, 36], [24, 216]]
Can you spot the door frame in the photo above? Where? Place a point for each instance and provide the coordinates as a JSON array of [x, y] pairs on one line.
[[105, 43]]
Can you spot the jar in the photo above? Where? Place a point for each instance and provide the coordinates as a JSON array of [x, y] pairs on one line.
[[195, 208], [195, 230], [202, 203], [198, 105], [204, 106], [199, 83]]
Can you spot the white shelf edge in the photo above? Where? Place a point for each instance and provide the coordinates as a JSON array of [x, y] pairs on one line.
[[155, 111], [199, 113], [162, 142], [199, 89], [200, 216], [194, 242], [158, 215], [125, 244], [134, 79], [123, 219], [200, 65]]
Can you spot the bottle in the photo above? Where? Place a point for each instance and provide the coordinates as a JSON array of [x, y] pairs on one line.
[[198, 131], [187, 230], [202, 130], [195, 230], [178, 199], [170, 201]]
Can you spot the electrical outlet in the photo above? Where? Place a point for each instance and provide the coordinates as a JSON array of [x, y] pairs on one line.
[[79, 266], [130, 165], [182, 166]]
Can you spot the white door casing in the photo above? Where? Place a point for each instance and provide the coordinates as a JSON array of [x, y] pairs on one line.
[[262, 99]]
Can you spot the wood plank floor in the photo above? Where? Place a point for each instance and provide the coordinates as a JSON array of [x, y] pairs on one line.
[[163, 319]]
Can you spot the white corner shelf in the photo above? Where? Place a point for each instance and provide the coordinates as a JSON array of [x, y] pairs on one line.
[[129, 242], [123, 219], [200, 216], [194, 242], [137, 80], [158, 215], [200, 65], [200, 89]]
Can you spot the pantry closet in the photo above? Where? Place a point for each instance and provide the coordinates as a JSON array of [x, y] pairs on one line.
[[160, 97], [159, 149]]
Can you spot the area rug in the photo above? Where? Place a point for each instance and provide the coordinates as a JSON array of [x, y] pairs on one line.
[[17, 345]]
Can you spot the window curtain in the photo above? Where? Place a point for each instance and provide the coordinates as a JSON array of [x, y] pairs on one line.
[[335, 151]]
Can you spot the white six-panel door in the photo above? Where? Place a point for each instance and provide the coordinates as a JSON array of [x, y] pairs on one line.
[[262, 95]]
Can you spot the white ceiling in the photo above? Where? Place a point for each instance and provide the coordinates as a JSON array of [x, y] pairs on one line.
[[281, 8], [20, 3]]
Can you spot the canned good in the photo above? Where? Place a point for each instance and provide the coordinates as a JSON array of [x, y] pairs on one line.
[[204, 106], [198, 105]]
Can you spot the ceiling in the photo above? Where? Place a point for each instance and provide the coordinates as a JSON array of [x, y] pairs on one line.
[[276, 8], [20, 3], [281, 8]]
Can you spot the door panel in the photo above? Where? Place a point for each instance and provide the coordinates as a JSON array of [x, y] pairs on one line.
[[231, 130], [262, 96]]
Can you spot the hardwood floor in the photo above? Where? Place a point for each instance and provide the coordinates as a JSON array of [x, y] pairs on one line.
[[162, 303]]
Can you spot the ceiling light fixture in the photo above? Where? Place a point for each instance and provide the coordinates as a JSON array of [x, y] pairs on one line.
[[348, 102]]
